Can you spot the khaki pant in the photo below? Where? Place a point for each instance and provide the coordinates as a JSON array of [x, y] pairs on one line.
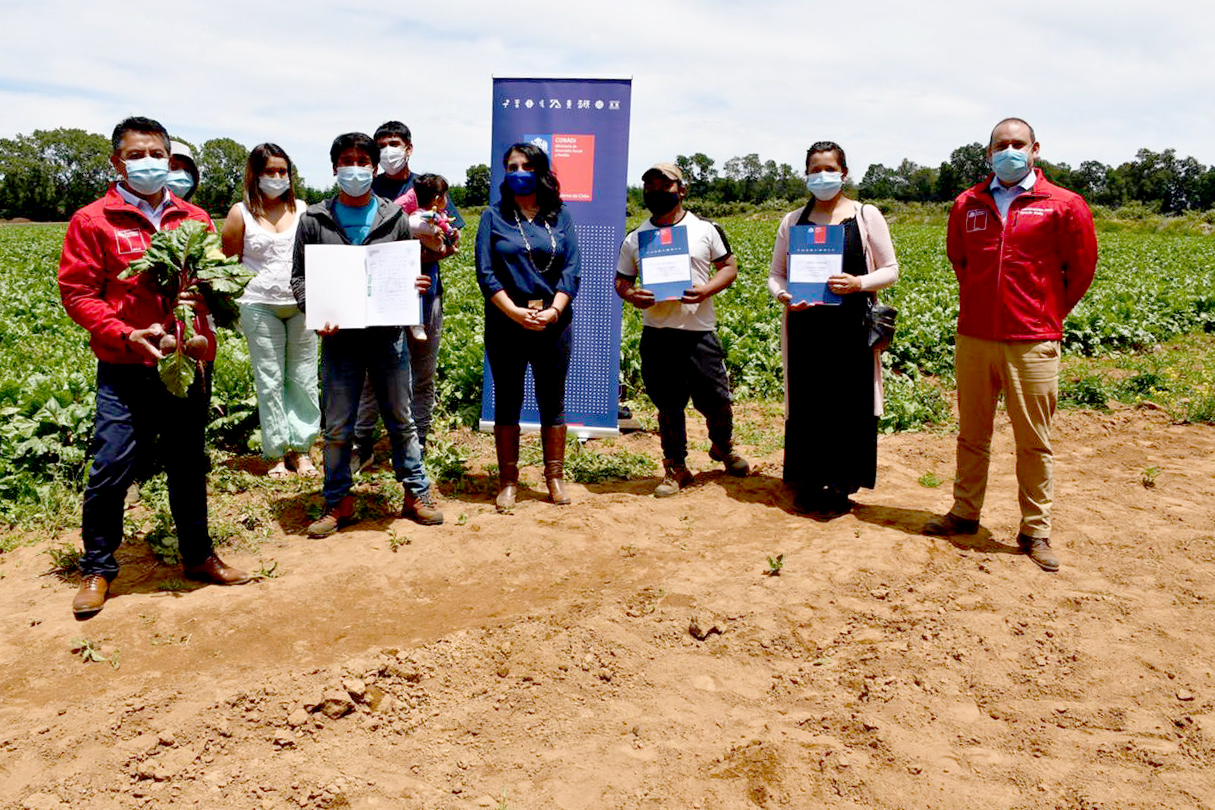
[[1027, 372]]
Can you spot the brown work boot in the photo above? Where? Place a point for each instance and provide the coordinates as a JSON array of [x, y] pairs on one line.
[[421, 508], [677, 477], [332, 519], [950, 524], [735, 464], [506, 443], [217, 572], [91, 596], [552, 438], [1039, 550]]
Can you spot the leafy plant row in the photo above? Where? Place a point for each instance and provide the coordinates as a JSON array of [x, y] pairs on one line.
[[1150, 287]]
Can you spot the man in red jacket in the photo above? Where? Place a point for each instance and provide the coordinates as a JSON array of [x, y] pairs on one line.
[[1024, 251], [125, 319]]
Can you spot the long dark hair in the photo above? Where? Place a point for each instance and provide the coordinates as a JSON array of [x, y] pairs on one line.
[[548, 190], [258, 158]]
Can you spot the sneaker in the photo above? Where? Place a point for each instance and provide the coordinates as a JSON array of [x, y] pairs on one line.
[[362, 458], [1039, 550], [735, 464], [950, 524], [333, 518], [421, 508], [677, 477]]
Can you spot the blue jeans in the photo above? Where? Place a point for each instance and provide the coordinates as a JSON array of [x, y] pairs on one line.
[[137, 414], [424, 361], [283, 355], [378, 355]]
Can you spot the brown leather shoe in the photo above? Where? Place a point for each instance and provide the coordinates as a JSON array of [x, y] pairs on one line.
[[332, 519], [91, 596], [950, 524], [1039, 550], [217, 572], [421, 508], [735, 464], [676, 477]]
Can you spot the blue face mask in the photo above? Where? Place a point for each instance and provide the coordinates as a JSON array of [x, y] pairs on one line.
[[354, 180], [825, 185], [1010, 165], [147, 175], [521, 182], [179, 182]]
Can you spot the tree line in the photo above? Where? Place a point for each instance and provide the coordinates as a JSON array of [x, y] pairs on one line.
[[47, 175]]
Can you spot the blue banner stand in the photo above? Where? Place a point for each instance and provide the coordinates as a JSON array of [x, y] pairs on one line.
[[583, 126]]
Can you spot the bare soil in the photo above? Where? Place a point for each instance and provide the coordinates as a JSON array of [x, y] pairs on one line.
[[630, 652]]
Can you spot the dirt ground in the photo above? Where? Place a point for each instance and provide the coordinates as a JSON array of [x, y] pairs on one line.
[[628, 652]]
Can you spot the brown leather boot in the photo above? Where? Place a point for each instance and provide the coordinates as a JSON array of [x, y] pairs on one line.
[[506, 443], [332, 519], [552, 438], [91, 596]]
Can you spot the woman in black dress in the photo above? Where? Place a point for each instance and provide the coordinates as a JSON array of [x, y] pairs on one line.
[[833, 381]]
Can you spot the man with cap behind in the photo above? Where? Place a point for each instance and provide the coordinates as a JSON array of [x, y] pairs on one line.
[[183, 171], [681, 357]]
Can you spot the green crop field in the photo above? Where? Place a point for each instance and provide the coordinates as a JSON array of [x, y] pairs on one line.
[[1142, 332]]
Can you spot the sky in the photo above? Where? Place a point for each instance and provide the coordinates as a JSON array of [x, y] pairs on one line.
[[886, 79]]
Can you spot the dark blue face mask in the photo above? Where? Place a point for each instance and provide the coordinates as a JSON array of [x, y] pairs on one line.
[[521, 182]]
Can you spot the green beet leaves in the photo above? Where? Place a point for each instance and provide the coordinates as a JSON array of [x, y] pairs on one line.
[[187, 257]]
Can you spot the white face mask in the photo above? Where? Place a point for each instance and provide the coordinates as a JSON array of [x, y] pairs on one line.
[[393, 159], [273, 187]]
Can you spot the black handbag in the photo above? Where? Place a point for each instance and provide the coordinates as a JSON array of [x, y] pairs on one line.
[[880, 322]]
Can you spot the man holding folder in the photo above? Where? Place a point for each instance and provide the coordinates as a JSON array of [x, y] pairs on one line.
[[378, 353], [683, 262]]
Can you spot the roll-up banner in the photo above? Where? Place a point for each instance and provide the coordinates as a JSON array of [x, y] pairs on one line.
[[583, 126]]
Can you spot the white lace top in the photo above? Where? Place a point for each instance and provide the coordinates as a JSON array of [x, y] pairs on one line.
[[269, 255]]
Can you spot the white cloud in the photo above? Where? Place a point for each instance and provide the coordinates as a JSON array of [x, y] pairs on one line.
[[886, 79]]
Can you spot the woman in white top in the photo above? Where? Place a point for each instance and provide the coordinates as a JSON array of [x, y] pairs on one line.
[[261, 232], [833, 376]]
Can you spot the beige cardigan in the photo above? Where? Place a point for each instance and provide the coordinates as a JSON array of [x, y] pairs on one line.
[[883, 271]]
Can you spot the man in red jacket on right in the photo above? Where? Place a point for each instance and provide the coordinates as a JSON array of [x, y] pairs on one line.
[[1024, 251]]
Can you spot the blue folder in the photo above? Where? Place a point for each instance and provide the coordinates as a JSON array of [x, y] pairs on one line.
[[814, 239], [663, 241]]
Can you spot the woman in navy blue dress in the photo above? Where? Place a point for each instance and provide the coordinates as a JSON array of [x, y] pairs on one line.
[[528, 268]]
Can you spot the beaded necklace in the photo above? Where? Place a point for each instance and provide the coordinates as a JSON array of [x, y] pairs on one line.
[[552, 242]]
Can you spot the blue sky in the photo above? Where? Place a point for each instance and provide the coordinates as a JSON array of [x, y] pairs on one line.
[[885, 79]]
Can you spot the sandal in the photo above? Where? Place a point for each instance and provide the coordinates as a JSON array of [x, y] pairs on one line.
[[304, 467], [279, 470]]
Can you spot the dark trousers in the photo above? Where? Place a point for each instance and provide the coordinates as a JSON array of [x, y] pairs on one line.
[[135, 413], [510, 349], [678, 365]]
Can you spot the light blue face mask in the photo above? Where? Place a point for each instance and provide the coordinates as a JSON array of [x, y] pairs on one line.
[[825, 185], [1010, 165], [179, 182], [147, 175], [354, 180]]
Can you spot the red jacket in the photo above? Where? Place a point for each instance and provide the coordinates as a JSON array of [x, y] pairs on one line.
[[1018, 279], [102, 239]]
